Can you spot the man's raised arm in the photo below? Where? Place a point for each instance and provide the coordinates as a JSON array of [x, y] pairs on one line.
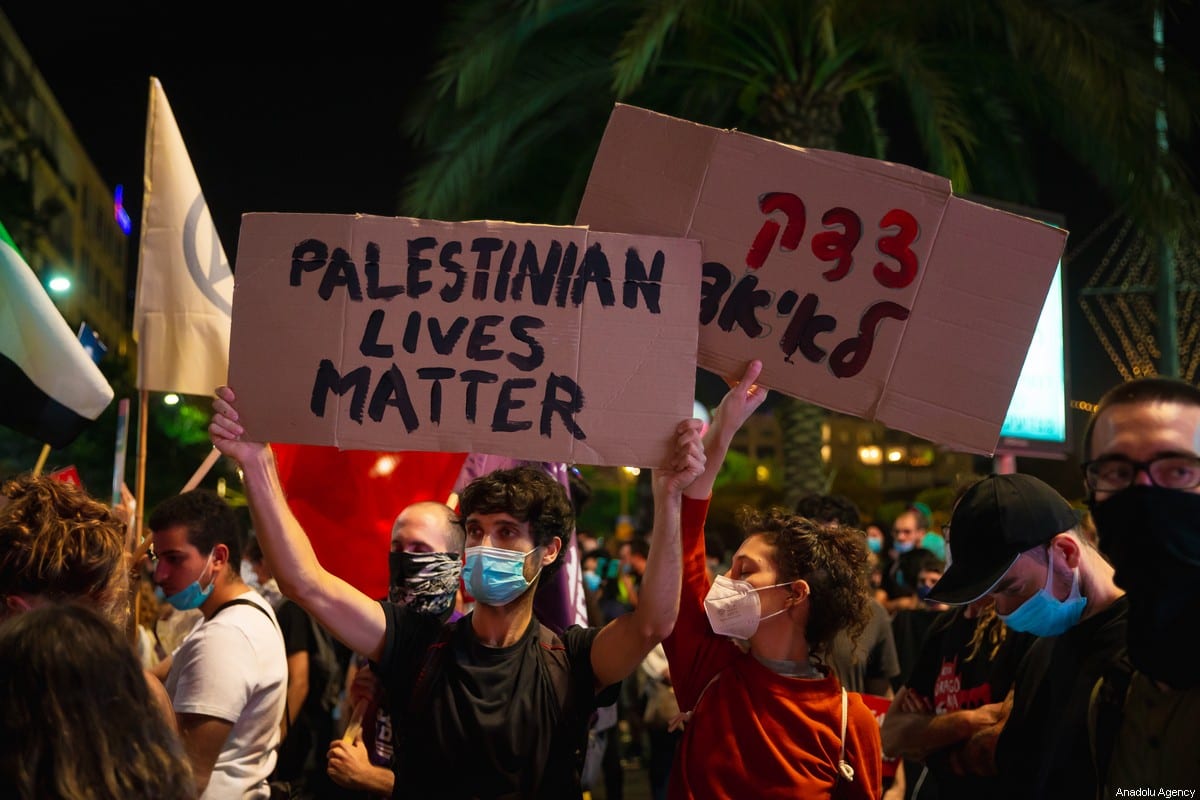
[[355, 619]]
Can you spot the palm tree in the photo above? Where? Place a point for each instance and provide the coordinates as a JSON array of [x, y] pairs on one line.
[[514, 109]]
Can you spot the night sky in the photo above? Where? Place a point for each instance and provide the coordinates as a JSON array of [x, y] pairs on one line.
[[301, 112], [293, 113]]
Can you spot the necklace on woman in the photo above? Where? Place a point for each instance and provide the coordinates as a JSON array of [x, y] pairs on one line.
[[792, 669]]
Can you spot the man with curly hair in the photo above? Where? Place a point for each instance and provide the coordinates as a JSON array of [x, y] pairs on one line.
[[496, 704]]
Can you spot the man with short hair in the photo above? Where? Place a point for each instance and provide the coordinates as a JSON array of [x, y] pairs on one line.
[[908, 530], [1016, 541], [1142, 473], [424, 565], [497, 704], [228, 680]]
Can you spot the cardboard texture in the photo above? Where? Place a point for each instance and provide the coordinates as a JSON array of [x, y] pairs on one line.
[[863, 286], [381, 333]]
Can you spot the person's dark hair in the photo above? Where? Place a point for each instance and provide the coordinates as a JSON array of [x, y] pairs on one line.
[[714, 548], [58, 542], [920, 516], [76, 715], [929, 562], [910, 564], [1140, 390], [252, 550], [639, 546], [581, 490], [829, 508], [598, 553], [529, 495], [832, 558], [209, 521]]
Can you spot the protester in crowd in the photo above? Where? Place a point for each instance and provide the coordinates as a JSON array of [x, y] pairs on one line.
[[764, 719], [314, 684], [497, 703], [908, 531], [424, 566], [228, 680], [76, 717], [257, 575], [1014, 539], [962, 674], [1143, 481], [591, 562], [868, 664], [58, 544]]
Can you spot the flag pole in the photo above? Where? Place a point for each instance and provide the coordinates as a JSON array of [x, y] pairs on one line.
[[201, 470], [143, 416], [41, 460]]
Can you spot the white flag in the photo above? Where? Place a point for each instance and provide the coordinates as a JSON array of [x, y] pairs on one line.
[[185, 287], [51, 387]]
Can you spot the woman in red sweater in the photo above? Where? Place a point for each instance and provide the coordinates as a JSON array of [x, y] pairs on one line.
[[763, 718]]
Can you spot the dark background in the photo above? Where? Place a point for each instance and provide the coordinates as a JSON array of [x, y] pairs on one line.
[[301, 112], [293, 112]]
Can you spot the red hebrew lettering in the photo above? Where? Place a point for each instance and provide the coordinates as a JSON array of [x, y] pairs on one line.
[[897, 246], [793, 208], [838, 245]]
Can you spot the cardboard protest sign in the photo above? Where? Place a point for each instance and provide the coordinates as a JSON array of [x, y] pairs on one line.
[[863, 286], [546, 343]]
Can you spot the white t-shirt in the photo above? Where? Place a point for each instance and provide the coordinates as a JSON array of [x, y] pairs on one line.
[[233, 667]]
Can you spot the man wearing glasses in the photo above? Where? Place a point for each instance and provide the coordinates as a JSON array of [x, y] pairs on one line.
[[1016, 542], [1143, 482]]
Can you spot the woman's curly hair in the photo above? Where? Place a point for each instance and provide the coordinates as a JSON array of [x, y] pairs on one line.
[[58, 542], [832, 558]]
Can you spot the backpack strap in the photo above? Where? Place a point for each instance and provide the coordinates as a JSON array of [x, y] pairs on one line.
[[241, 601]]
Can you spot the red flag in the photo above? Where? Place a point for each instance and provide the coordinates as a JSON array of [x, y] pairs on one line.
[[68, 475], [347, 501]]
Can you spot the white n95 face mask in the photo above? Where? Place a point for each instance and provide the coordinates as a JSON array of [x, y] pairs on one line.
[[733, 607]]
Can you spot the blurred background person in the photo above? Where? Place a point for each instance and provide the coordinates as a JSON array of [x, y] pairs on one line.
[[76, 717]]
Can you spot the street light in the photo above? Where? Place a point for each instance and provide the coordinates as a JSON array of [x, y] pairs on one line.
[[59, 284], [171, 399]]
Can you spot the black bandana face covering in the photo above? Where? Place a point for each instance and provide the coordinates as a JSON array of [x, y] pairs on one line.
[[1152, 537], [425, 582]]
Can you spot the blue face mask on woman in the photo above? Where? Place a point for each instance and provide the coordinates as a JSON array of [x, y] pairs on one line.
[[495, 576], [1044, 614], [192, 596]]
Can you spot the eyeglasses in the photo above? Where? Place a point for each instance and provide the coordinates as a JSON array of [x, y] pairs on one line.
[[1114, 473]]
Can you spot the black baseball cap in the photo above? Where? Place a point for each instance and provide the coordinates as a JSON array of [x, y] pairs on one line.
[[997, 519]]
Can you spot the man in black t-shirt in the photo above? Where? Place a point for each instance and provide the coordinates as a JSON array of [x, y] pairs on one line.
[[1015, 540], [963, 672], [501, 705]]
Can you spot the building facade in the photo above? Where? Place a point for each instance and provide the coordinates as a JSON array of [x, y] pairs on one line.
[[55, 204]]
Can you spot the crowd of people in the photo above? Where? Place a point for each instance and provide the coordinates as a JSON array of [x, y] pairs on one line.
[[1024, 649]]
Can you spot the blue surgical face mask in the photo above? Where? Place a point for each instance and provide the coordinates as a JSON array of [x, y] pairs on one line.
[[591, 581], [192, 596], [495, 576], [875, 545], [903, 547], [1044, 614]]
